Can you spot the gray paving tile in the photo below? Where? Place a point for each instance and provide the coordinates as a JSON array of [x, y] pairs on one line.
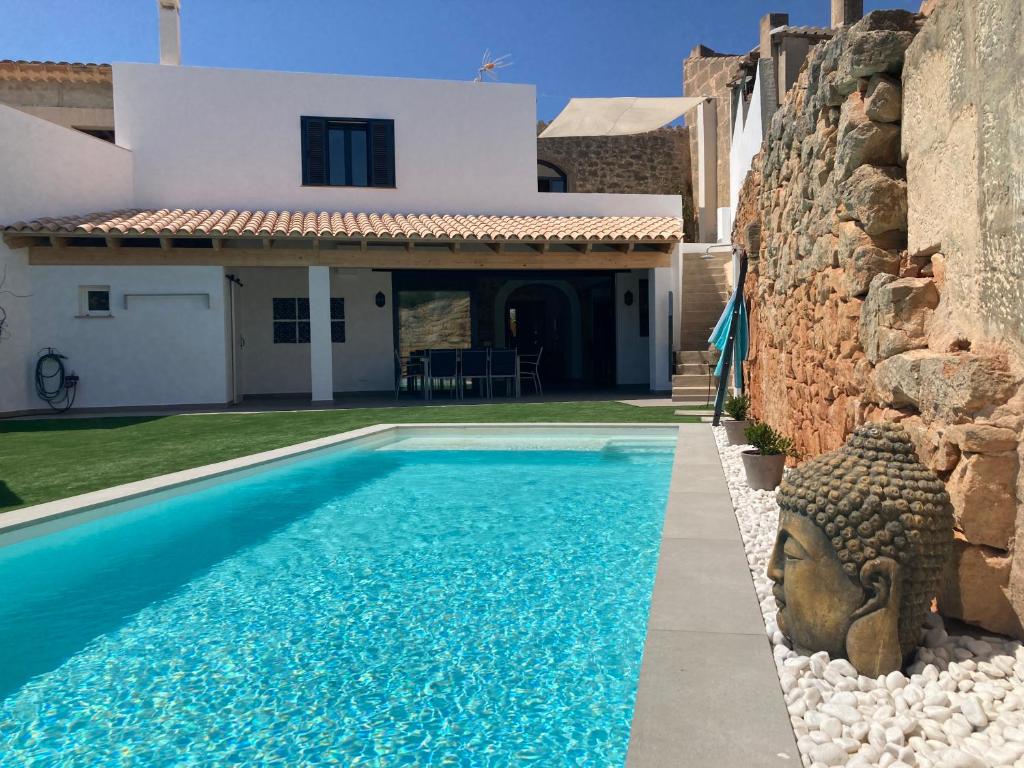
[[699, 479], [703, 585], [700, 516], [709, 700]]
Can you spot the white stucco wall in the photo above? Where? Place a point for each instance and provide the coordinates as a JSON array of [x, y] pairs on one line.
[[746, 142], [632, 351], [230, 138], [47, 170], [364, 363], [161, 350]]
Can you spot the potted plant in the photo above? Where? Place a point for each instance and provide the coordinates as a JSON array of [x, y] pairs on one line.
[[765, 461], [736, 407]]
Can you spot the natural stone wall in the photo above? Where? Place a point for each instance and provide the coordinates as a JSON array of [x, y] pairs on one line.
[[848, 324], [653, 163], [707, 73]]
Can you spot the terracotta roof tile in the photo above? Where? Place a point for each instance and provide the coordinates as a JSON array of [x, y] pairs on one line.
[[54, 71], [179, 222]]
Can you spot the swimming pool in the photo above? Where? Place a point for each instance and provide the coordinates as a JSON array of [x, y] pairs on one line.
[[423, 597]]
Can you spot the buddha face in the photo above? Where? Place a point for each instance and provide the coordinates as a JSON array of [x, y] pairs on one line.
[[817, 600]]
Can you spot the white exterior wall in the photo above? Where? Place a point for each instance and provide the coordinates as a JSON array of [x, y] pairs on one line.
[[229, 138], [364, 363], [746, 142], [632, 351], [47, 170], [161, 350]]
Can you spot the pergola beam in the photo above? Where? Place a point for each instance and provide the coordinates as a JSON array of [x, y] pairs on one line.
[[391, 258]]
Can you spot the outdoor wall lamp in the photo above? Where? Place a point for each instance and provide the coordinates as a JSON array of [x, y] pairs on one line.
[[628, 298], [380, 299]]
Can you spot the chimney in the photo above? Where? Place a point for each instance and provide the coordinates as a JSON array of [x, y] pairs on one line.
[[846, 12], [170, 31], [769, 22]]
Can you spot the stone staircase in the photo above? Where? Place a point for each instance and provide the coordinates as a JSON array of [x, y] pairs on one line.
[[704, 295], [690, 379], [705, 291]]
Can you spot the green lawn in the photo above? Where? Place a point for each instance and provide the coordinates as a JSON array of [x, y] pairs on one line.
[[46, 459]]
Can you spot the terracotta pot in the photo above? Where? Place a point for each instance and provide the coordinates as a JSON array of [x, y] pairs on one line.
[[764, 473], [734, 431]]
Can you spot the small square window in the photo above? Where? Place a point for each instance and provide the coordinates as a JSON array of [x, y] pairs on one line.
[[284, 309], [284, 333], [337, 309], [337, 331], [94, 301]]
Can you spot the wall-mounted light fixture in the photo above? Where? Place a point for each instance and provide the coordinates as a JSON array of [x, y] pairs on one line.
[[380, 299], [628, 298]]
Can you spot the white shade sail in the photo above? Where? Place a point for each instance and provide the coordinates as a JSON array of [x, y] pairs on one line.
[[618, 117]]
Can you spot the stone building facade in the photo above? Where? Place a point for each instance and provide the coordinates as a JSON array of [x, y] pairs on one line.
[[653, 163], [708, 73], [888, 280]]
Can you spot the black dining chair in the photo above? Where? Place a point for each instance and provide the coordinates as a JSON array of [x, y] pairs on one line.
[[504, 365], [442, 366], [473, 368], [410, 370], [529, 370]]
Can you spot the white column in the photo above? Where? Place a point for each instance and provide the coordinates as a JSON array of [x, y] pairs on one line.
[[707, 170], [321, 358], [661, 285]]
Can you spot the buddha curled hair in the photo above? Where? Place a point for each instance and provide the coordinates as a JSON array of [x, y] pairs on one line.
[[873, 498]]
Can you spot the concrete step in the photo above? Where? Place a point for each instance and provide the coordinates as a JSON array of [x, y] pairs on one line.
[[693, 357], [691, 369], [691, 395], [690, 379]]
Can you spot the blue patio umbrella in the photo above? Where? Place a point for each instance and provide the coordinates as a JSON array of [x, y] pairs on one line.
[[720, 335]]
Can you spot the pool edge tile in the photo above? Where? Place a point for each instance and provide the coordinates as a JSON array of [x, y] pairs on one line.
[[704, 627]]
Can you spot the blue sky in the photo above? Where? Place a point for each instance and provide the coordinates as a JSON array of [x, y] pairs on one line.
[[565, 47]]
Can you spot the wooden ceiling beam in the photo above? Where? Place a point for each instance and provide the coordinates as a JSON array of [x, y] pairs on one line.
[[391, 258]]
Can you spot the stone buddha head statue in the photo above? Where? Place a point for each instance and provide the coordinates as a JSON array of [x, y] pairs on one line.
[[864, 535]]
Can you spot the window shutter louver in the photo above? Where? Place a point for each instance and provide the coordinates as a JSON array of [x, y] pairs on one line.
[[314, 150], [382, 142]]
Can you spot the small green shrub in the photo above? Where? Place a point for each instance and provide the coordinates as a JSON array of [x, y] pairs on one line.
[[767, 441], [736, 407]]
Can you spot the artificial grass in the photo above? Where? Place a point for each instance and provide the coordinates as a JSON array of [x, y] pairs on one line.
[[46, 459]]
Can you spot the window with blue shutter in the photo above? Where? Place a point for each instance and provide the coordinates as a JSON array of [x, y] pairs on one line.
[[346, 152]]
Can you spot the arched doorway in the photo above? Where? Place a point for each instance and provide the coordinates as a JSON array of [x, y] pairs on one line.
[[551, 178], [541, 315]]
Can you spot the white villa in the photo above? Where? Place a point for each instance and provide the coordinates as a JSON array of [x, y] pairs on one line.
[[256, 233]]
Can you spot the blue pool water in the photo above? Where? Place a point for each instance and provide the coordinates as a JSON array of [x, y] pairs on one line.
[[435, 600]]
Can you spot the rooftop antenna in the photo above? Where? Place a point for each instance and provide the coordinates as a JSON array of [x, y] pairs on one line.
[[489, 66]]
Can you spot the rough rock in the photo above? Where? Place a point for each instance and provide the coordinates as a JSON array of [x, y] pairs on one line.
[[983, 438], [975, 589], [876, 197], [869, 52], [883, 100], [895, 315], [865, 263], [982, 489], [869, 142], [941, 384]]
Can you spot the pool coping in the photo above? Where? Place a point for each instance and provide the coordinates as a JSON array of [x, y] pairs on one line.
[[708, 694], [72, 505]]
